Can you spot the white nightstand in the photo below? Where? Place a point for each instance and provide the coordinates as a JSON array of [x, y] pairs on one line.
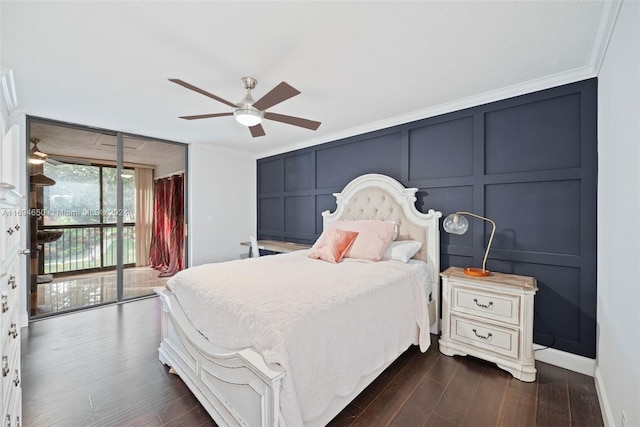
[[491, 318]]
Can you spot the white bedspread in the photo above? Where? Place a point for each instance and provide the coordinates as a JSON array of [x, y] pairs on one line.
[[326, 324]]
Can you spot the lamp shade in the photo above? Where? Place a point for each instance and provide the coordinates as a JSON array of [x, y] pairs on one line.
[[455, 224], [248, 116]]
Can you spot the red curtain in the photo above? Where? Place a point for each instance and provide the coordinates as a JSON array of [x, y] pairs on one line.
[[166, 253]]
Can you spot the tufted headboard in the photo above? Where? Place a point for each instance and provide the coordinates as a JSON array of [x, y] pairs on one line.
[[375, 196]]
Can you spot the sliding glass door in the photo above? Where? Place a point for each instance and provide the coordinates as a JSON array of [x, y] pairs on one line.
[[93, 204], [153, 200], [70, 242]]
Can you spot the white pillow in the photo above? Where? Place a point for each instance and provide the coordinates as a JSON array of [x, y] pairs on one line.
[[402, 250], [395, 230]]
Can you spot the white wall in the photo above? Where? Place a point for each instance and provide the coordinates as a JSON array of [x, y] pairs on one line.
[[618, 346], [222, 204]]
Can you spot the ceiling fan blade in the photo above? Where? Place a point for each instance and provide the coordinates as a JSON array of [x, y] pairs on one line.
[[257, 131], [290, 120], [280, 93], [205, 116], [61, 160], [54, 162], [203, 92]]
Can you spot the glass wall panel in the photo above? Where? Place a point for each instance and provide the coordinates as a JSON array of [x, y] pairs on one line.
[[153, 184], [96, 196], [70, 266]]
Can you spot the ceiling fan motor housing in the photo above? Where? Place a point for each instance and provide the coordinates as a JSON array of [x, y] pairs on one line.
[[249, 83], [246, 114]]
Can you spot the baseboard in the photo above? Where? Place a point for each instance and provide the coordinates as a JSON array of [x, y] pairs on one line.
[[565, 360], [604, 401]]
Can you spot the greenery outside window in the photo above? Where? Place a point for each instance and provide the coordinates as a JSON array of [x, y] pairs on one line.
[[82, 204]]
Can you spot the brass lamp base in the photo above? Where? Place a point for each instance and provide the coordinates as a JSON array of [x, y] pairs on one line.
[[477, 272]]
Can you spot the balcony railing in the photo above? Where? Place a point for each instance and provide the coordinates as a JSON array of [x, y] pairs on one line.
[[87, 247]]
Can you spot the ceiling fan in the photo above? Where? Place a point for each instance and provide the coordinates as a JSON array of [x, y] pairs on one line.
[[37, 157], [249, 112]]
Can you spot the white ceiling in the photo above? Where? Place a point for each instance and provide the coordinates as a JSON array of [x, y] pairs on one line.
[[360, 65]]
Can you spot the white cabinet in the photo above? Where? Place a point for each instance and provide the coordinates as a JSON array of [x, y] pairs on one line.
[[9, 313], [11, 219], [491, 318]]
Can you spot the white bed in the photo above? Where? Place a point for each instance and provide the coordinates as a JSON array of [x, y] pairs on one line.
[[386, 310]]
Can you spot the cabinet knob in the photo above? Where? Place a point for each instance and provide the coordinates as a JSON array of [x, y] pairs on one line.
[[5, 304], [16, 379], [12, 281], [13, 330], [5, 366], [10, 231]]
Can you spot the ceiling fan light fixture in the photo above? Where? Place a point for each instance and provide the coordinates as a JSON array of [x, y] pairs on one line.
[[248, 117], [37, 157], [36, 161]]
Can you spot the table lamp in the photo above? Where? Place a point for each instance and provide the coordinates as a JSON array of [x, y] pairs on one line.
[[456, 223]]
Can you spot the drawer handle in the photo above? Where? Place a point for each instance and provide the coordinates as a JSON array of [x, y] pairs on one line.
[[17, 227], [5, 366], [12, 281], [483, 305], [8, 420], [5, 304], [484, 337], [13, 330], [10, 231], [16, 380], [18, 421]]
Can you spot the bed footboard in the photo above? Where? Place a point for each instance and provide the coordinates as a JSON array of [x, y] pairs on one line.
[[236, 387]]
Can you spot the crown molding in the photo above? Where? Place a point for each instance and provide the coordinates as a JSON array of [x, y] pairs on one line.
[[460, 104], [605, 24], [607, 17]]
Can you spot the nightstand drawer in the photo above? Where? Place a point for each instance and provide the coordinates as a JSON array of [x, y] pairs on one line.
[[488, 337], [504, 308]]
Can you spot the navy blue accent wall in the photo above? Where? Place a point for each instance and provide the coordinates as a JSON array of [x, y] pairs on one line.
[[529, 163]]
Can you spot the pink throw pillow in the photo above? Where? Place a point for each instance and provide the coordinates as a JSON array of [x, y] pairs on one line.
[[373, 238], [333, 244]]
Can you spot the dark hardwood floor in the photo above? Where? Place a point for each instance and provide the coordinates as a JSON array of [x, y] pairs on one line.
[[100, 368]]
